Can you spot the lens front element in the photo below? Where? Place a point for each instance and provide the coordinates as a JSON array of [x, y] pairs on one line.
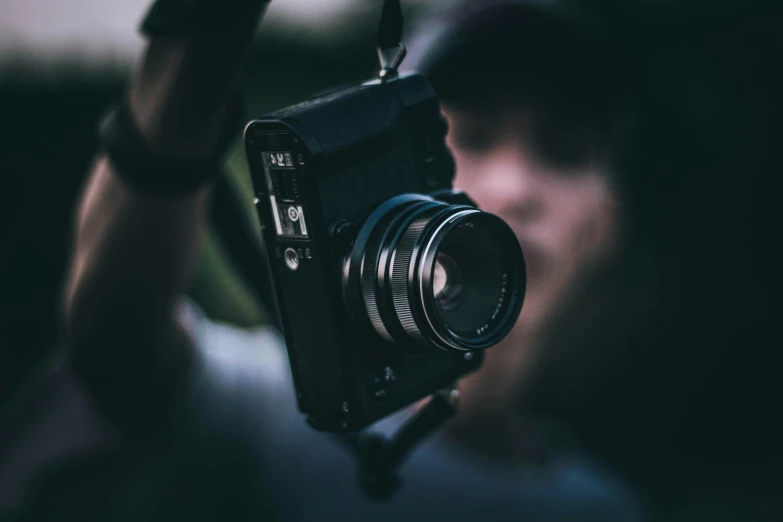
[[469, 280]]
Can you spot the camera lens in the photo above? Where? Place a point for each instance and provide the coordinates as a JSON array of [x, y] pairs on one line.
[[426, 273]]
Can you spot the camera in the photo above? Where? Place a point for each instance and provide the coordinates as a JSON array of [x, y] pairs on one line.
[[389, 283]]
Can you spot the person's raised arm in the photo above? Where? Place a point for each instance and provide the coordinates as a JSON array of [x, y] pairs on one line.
[[134, 249]]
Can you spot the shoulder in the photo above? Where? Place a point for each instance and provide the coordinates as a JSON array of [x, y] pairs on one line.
[[242, 386]]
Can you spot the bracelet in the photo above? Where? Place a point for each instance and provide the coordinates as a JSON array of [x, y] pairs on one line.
[[150, 172]]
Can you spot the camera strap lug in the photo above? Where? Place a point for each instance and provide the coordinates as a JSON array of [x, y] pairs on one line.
[[389, 66], [390, 39]]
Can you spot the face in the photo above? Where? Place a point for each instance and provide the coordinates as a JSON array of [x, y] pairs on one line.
[[563, 215]]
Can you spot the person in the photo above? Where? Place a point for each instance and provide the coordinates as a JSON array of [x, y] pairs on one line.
[[145, 362], [530, 138]]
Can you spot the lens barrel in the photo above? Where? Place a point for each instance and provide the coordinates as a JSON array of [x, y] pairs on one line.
[[426, 273]]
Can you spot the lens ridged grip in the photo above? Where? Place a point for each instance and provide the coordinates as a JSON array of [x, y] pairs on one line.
[[401, 266]]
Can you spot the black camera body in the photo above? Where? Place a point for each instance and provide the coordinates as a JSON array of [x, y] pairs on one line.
[[349, 187]]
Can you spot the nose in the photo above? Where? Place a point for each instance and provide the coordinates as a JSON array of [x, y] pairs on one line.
[[506, 184]]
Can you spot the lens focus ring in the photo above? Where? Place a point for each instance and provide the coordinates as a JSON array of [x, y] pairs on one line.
[[401, 266]]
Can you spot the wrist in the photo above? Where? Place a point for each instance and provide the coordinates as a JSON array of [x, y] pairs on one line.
[[151, 169]]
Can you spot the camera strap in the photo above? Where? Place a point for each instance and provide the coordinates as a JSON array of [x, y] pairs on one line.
[[390, 29], [391, 51]]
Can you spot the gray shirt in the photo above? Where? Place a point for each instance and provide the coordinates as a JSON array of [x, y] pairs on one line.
[[242, 441], [313, 477]]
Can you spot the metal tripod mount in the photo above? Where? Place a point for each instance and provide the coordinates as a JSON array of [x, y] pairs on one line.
[[380, 456]]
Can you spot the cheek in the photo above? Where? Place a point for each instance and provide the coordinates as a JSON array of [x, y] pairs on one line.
[[496, 180], [582, 222], [469, 179], [467, 168]]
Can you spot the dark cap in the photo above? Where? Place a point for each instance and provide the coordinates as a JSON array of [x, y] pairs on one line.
[[542, 47]]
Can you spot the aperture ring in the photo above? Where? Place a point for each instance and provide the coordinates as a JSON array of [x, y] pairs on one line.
[[375, 264], [401, 272]]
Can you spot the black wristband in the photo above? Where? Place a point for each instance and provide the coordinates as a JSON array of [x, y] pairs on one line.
[[147, 171]]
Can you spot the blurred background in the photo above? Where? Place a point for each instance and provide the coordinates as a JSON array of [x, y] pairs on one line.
[[62, 64]]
